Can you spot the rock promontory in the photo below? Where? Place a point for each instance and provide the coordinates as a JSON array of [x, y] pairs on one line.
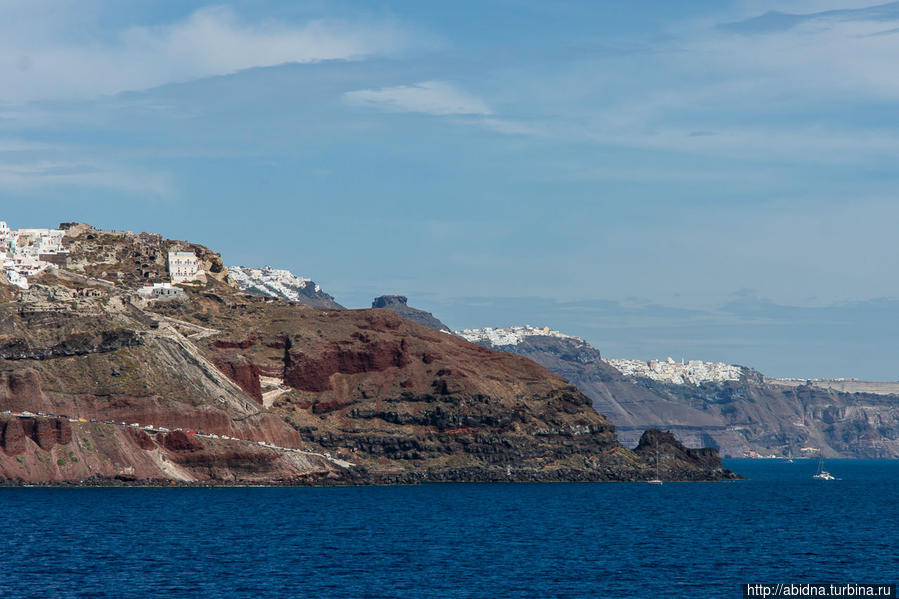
[[101, 383], [398, 304]]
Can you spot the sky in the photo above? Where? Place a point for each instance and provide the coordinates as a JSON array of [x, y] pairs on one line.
[[710, 179]]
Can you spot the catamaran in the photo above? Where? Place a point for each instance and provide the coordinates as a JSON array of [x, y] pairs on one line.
[[822, 473]]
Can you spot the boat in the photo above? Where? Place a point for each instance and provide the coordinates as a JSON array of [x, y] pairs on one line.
[[822, 474], [658, 479]]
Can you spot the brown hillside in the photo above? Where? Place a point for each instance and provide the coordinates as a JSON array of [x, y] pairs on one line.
[[362, 395]]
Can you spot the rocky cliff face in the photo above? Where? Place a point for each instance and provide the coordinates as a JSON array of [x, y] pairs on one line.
[[115, 363], [749, 415], [398, 304], [755, 416], [273, 282], [225, 386], [409, 403]]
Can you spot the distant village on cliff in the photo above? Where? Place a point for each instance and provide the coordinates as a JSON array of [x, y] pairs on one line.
[[26, 253]]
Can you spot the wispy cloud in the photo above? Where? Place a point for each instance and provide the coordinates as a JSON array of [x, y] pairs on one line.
[[429, 97], [27, 176], [11, 146], [775, 87], [211, 41], [774, 20]]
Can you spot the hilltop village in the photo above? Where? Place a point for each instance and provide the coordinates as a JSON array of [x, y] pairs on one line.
[[25, 253], [511, 335], [693, 372]]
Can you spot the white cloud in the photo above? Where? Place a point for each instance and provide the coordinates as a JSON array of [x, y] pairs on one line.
[[842, 58], [41, 64], [429, 97]]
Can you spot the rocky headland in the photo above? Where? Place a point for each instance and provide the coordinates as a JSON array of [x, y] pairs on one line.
[[212, 385], [741, 415], [399, 304]]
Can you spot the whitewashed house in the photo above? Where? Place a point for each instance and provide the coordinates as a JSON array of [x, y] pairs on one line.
[[184, 267], [161, 291]]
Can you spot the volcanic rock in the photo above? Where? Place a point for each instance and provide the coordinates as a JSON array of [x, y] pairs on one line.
[[13, 437], [240, 370], [370, 396], [181, 441], [398, 305], [143, 440]]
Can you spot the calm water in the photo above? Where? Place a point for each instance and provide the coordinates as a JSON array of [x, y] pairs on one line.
[[460, 540]]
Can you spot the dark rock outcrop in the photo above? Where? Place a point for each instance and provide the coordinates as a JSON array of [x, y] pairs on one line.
[[181, 441], [73, 345], [398, 305], [47, 432], [676, 462], [63, 431], [143, 440], [13, 437]]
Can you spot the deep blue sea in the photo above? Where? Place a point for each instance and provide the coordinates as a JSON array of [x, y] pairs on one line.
[[458, 540]]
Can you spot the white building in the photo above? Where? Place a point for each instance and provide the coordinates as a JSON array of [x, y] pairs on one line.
[[18, 267], [34, 242], [183, 267], [161, 291], [27, 252], [12, 273]]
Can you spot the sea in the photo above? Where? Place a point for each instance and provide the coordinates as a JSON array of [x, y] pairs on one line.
[[455, 540]]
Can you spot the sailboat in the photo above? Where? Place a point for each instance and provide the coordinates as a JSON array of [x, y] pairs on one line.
[[822, 473], [658, 479]]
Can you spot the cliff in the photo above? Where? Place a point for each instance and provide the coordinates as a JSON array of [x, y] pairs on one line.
[[222, 386], [753, 415], [737, 417], [398, 304]]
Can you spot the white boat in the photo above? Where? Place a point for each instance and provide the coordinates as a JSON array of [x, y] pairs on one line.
[[822, 474]]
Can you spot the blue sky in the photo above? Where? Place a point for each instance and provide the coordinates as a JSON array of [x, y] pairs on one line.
[[707, 179]]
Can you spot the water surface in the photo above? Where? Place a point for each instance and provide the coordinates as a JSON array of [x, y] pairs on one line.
[[457, 540]]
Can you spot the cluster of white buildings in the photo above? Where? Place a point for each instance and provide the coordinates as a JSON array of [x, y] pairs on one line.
[[511, 335], [274, 282], [693, 372], [26, 252]]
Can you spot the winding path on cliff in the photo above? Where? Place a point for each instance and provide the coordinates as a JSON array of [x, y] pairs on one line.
[[154, 430]]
